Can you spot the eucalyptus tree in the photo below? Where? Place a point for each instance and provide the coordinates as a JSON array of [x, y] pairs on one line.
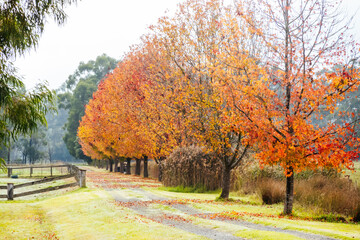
[[75, 94], [21, 25]]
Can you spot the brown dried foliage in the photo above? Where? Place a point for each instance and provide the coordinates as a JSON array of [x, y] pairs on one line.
[[190, 167]]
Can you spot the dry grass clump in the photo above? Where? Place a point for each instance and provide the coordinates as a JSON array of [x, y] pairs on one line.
[[191, 166], [271, 191], [153, 169], [332, 194], [323, 189], [246, 177]]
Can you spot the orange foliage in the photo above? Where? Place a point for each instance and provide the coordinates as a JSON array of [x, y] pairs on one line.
[[226, 78]]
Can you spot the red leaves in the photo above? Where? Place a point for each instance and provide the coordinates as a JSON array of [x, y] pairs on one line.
[[147, 203]]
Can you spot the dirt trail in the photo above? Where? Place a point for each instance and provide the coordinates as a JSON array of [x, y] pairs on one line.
[[127, 192]]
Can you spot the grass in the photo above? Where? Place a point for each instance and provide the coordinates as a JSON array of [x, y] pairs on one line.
[[336, 230], [81, 214], [354, 175], [195, 189], [265, 235], [24, 221]]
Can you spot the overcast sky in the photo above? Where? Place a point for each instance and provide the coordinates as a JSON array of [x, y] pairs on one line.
[[95, 27]]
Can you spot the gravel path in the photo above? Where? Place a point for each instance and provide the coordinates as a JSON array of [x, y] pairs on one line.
[[172, 220], [139, 200]]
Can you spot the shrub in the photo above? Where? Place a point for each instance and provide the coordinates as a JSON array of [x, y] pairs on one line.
[[191, 166], [324, 189], [271, 191], [331, 218], [356, 217], [332, 194]]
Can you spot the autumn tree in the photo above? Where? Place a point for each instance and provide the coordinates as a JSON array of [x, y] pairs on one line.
[[110, 128], [288, 89], [194, 41], [165, 93]]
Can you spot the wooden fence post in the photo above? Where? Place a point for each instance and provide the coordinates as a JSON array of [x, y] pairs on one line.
[[9, 172], [31, 171], [51, 171], [10, 191], [82, 178]]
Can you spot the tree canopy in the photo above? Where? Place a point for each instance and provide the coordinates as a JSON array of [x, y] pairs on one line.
[[228, 79], [75, 94]]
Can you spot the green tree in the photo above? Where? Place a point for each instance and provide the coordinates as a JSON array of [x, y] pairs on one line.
[[76, 92], [34, 147], [57, 149], [21, 25]]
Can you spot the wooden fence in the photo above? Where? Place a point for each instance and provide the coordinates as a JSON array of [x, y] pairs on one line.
[[73, 171], [31, 168]]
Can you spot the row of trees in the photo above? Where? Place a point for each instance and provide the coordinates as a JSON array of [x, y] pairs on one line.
[[232, 81], [75, 93]]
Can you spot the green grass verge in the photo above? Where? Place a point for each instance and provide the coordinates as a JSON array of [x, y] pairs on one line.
[[195, 189], [265, 235], [336, 230]]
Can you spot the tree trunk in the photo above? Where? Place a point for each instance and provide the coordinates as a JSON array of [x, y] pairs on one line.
[[138, 166], [116, 163], [146, 173], [111, 163], [122, 166], [289, 197], [225, 184], [160, 172], [128, 167], [107, 165], [9, 150]]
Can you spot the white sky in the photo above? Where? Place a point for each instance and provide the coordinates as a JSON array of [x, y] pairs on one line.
[[95, 27]]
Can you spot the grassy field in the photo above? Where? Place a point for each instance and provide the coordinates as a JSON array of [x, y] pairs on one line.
[[92, 213], [354, 175]]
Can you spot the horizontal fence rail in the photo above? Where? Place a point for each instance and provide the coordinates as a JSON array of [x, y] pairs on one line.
[[24, 167], [45, 180], [45, 190], [31, 168], [73, 171]]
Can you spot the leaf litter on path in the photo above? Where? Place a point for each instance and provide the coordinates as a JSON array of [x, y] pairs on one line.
[[128, 192]]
